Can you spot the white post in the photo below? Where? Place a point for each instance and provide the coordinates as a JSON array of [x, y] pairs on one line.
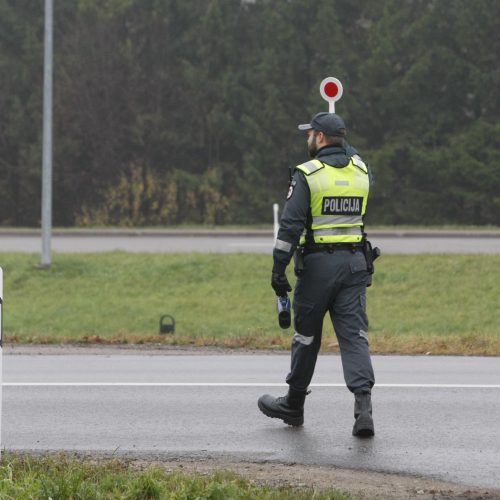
[[276, 220], [1, 355], [47, 137]]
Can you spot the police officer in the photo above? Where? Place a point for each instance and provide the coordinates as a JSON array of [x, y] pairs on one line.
[[323, 220]]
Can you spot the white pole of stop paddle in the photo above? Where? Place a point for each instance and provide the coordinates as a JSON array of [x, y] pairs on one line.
[[276, 221]]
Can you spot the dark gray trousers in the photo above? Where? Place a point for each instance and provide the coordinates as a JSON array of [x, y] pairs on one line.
[[334, 282]]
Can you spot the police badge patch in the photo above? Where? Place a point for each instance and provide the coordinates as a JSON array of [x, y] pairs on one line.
[[290, 190], [342, 205]]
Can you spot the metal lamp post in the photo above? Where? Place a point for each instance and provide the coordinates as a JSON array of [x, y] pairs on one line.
[[47, 137]]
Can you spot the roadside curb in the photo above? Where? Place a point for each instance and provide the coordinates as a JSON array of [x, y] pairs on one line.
[[243, 233]]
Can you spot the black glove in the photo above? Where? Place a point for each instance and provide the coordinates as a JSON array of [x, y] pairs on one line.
[[280, 284]]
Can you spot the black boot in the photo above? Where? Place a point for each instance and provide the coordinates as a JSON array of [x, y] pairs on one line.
[[289, 408], [363, 427]]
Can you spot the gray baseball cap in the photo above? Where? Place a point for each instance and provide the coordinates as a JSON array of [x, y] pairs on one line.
[[328, 123]]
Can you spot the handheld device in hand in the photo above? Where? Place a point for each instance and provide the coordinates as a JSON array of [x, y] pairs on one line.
[[284, 315]]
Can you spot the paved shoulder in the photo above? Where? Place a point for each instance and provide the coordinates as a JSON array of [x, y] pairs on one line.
[[231, 241], [434, 416]]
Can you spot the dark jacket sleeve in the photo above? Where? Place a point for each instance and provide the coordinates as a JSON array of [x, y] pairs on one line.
[[292, 223]]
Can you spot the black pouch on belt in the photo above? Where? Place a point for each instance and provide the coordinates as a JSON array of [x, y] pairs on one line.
[[298, 260], [371, 254]]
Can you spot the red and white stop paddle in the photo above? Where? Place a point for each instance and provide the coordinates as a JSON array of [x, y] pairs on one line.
[[331, 90]]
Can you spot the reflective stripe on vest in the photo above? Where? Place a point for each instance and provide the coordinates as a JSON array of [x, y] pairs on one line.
[[341, 231], [338, 200], [333, 220], [311, 166]]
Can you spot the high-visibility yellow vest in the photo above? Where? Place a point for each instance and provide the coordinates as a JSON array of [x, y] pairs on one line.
[[338, 200]]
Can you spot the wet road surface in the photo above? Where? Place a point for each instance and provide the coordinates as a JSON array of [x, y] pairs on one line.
[[434, 416], [391, 242]]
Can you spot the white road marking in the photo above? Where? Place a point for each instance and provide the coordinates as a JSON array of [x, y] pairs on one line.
[[234, 384], [250, 244]]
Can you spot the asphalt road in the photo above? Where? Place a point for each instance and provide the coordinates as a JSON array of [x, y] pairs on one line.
[[391, 242], [434, 416]]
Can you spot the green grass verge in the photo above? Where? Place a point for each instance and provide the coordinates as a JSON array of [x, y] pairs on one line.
[[437, 303], [62, 478]]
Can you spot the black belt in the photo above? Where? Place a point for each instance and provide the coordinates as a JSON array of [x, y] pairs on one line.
[[333, 247]]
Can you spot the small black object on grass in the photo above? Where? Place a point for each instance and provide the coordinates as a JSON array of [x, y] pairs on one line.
[[167, 324]]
